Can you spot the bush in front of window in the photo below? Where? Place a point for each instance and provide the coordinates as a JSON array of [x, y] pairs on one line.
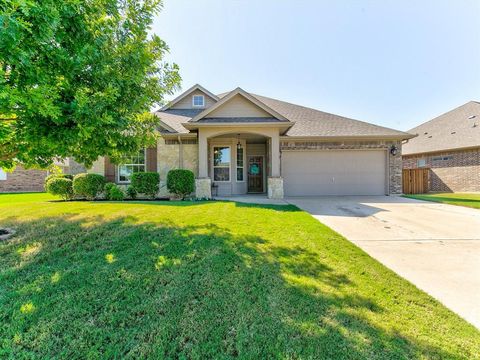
[[181, 182], [146, 183], [115, 193], [131, 192], [56, 176], [88, 186], [60, 186]]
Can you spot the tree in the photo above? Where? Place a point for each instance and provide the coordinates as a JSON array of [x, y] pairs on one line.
[[78, 78]]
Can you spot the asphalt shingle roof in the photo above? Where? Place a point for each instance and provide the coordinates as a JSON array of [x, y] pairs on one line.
[[308, 122], [456, 129]]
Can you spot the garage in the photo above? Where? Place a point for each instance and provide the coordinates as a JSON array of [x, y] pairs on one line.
[[334, 172]]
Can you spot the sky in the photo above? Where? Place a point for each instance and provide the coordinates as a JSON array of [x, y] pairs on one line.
[[391, 63]]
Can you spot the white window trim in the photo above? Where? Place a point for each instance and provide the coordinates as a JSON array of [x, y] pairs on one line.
[[203, 101], [229, 164], [3, 175], [118, 168], [238, 167]]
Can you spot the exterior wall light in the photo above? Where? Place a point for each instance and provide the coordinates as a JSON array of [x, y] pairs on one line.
[[393, 150]]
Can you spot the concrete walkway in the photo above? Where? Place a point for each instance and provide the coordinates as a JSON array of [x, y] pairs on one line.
[[434, 246]]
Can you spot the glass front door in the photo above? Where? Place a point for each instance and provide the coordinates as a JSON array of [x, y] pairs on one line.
[[255, 174]]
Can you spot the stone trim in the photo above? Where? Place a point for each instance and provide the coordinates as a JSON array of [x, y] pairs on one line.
[[203, 188], [275, 188]]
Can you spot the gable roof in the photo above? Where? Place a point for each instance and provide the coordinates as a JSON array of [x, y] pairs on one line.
[[316, 123], [456, 129], [188, 92], [229, 96], [304, 122]]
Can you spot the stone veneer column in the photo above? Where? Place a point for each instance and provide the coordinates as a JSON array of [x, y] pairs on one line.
[[275, 188], [203, 188], [203, 184]]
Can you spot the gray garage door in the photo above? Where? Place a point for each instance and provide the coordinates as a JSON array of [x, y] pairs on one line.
[[343, 172]]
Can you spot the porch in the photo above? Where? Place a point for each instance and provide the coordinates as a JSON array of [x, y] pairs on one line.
[[238, 162]]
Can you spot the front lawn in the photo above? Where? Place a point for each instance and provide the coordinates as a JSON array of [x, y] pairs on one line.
[[204, 280], [462, 199]]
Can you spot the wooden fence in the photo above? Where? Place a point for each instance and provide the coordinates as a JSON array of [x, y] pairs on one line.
[[415, 181]]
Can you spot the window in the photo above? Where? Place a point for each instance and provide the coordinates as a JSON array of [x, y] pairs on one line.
[[198, 100], [442, 158], [421, 163], [3, 174], [221, 163], [239, 162], [133, 164]]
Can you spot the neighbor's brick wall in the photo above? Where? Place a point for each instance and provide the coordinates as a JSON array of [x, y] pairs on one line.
[[460, 173], [394, 162], [22, 180]]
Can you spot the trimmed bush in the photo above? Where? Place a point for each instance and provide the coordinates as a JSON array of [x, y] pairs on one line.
[[131, 192], [88, 186], [60, 186], [115, 193], [181, 182], [146, 183], [107, 187], [56, 176]]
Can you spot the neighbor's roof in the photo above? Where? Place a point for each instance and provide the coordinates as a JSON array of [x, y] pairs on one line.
[[307, 122], [456, 129]]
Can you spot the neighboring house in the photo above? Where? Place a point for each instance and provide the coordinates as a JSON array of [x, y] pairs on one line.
[[30, 180], [22, 180], [238, 143], [449, 146]]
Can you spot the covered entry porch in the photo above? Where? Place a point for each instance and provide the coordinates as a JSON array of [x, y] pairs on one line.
[[238, 162]]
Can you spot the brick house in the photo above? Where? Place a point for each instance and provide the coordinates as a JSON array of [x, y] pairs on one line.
[[448, 145], [241, 143], [32, 180]]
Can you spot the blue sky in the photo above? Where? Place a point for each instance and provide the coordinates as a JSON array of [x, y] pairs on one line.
[[393, 63]]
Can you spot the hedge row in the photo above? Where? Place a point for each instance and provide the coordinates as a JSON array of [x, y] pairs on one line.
[[91, 186]]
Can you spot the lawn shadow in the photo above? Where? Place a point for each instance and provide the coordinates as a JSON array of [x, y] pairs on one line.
[[75, 286]]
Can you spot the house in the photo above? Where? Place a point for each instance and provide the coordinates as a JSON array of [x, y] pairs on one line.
[[32, 180], [22, 180], [241, 143], [449, 146]]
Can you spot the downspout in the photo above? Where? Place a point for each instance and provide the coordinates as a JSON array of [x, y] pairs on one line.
[[180, 152]]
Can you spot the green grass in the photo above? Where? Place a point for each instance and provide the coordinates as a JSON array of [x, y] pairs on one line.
[[461, 199], [204, 280]]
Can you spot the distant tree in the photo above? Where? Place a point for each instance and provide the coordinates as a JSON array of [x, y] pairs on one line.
[[78, 78]]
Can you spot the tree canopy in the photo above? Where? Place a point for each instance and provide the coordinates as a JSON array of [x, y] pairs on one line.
[[78, 78]]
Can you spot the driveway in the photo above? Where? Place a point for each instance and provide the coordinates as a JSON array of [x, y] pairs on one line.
[[434, 246]]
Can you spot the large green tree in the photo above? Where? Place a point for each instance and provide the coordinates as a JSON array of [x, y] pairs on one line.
[[78, 78]]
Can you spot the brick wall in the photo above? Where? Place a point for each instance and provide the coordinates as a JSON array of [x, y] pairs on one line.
[[455, 171], [394, 162], [22, 180]]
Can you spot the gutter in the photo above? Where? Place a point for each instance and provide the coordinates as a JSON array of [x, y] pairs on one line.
[[279, 124], [366, 137]]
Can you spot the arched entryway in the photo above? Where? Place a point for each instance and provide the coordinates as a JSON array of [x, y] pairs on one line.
[[239, 163]]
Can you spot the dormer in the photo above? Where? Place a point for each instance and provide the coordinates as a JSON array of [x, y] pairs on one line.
[[197, 97]]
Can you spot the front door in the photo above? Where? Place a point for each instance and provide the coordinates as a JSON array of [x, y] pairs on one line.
[[255, 174]]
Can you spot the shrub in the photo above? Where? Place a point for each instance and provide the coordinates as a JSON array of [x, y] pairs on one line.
[[181, 182], [60, 186], [56, 176], [107, 187], [88, 185], [131, 192], [146, 183], [115, 193]]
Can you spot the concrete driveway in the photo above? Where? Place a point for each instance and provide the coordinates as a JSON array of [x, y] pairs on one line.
[[434, 246]]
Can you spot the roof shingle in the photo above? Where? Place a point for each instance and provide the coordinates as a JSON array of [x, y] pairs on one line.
[[456, 129]]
